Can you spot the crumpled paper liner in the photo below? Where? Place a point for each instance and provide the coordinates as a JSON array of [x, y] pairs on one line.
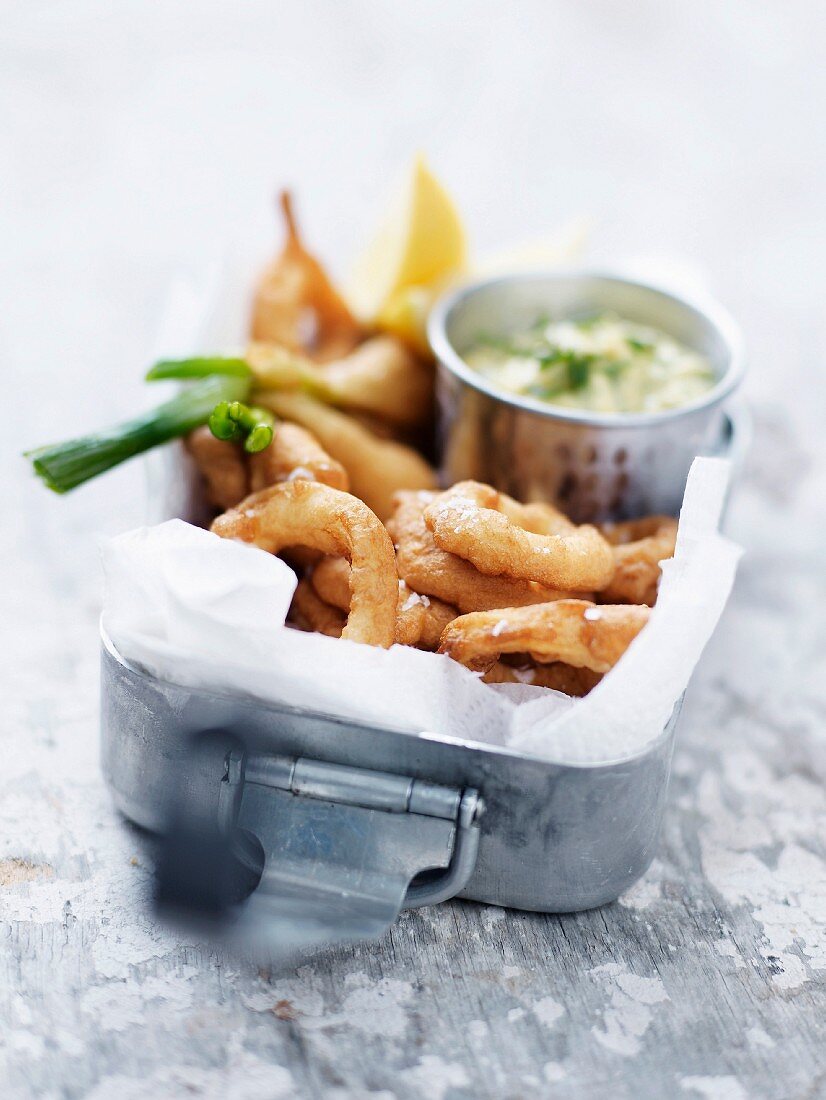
[[187, 606]]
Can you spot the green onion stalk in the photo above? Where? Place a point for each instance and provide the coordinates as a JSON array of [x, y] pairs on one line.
[[234, 421], [229, 420], [203, 367], [63, 466]]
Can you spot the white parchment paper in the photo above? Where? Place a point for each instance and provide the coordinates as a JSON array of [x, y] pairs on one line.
[[190, 607]]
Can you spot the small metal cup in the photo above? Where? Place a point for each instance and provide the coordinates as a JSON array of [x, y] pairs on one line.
[[595, 466]]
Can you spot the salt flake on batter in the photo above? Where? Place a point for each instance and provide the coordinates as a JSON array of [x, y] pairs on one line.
[[412, 600], [301, 473]]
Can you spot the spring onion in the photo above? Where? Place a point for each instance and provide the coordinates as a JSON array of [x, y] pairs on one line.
[[232, 420], [66, 465], [198, 368]]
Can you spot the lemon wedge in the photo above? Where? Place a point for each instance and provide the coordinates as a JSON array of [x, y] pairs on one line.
[[405, 312], [420, 244], [405, 315]]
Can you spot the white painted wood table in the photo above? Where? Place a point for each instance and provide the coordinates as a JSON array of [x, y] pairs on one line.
[[135, 139]]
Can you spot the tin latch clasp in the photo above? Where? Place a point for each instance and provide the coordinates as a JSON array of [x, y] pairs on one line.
[[344, 849]]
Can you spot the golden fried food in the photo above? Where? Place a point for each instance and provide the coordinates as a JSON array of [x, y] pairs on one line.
[[307, 513], [309, 612], [331, 580], [533, 542], [429, 615], [420, 620], [293, 453], [409, 617], [230, 474], [435, 572], [376, 467], [296, 305], [381, 429], [385, 378], [221, 465], [576, 632], [557, 676], [381, 377], [639, 546]]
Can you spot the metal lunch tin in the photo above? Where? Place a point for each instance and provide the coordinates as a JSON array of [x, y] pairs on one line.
[[317, 829], [351, 822], [343, 824], [595, 466]]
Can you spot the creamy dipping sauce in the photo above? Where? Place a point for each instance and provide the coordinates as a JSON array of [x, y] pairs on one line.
[[600, 363]]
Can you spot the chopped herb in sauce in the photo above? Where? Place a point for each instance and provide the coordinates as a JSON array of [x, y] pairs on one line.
[[599, 362], [640, 345]]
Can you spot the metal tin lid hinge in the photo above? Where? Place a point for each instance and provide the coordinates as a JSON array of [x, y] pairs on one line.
[[344, 848]]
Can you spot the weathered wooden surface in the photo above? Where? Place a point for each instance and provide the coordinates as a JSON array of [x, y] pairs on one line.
[[707, 979]]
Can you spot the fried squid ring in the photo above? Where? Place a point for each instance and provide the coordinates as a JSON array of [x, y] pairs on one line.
[[435, 572], [295, 453], [331, 580], [381, 377], [296, 305], [306, 513], [230, 474], [376, 467], [576, 632], [534, 542], [427, 615], [221, 465], [420, 620], [309, 612], [557, 676], [638, 546]]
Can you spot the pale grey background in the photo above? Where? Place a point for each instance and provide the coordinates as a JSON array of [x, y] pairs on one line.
[[137, 138]]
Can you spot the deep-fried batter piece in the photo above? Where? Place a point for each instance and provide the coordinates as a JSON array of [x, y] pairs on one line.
[[504, 538], [221, 465], [420, 620], [293, 453], [435, 572], [557, 676], [639, 546], [309, 612], [427, 617], [230, 474], [576, 632], [307, 513], [381, 377], [297, 306], [376, 467]]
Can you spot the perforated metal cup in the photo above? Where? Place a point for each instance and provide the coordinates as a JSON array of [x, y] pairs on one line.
[[596, 466]]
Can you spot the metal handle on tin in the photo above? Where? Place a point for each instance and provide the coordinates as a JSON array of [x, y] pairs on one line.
[[340, 850], [465, 850]]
